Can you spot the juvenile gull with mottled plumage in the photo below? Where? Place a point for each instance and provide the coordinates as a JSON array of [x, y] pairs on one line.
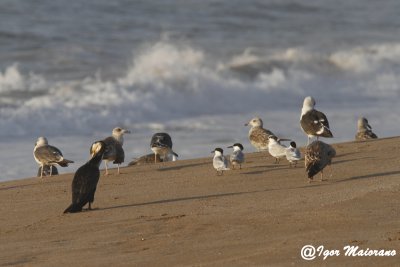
[[364, 130], [258, 136], [318, 155]]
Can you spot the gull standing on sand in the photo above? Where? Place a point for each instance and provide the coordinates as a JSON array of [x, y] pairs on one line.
[[161, 144], [258, 136], [114, 151], [313, 122], [45, 154], [318, 155], [364, 131], [237, 156], [293, 154], [86, 178], [276, 149], [219, 161]]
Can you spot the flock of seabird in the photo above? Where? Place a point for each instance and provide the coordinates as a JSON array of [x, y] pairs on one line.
[[317, 155]]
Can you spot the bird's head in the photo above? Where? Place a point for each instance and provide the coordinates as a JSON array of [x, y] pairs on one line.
[[218, 151], [255, 122], [118, 131], [98, 147], [236, 146], [41, 141]]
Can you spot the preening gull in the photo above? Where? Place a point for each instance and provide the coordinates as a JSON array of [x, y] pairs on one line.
[[237, 156], [364, 130], [318, 155], [161, 144], [85, 180], [45, 154], [313, 122], [219, 161], [114, 151]]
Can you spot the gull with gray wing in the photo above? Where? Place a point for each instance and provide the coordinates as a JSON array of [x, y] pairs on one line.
[[114, 151], [46, 154]]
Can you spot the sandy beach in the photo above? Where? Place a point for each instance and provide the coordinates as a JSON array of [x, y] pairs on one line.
[[182, 214]]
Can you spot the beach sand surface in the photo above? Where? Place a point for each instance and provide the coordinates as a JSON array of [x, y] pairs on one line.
[[182, 214]]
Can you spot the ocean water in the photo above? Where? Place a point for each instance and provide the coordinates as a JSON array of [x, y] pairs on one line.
[[72, 71]]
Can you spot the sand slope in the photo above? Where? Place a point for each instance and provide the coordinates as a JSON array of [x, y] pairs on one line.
[[182, 214]]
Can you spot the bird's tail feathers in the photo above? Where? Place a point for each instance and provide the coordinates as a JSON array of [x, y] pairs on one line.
[[73, 208], [65, 162], [312, 169]]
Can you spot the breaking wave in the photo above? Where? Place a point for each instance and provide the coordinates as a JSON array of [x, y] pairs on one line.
[[167, 81]]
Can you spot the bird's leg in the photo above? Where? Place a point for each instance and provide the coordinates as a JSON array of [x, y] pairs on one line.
[[51, 170], [118, 169], [41, 172], [155, 157], [331, 171], [90, 206], [240, 166], [105, 163]]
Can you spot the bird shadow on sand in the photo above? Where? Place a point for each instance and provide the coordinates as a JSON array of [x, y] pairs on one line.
[[179, 167], [379, 174], [210, 196], [17, 186], [269, 168], [349, 160]]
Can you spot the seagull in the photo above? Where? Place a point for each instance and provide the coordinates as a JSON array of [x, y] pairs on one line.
[[45, 154], [364, 131], [114, 151], [86, 178], [161, 144], [276, 149], [293, 154], [237, 156], [313, 122], [219, 161], [318, 155], [46, 170], [258, 136]]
